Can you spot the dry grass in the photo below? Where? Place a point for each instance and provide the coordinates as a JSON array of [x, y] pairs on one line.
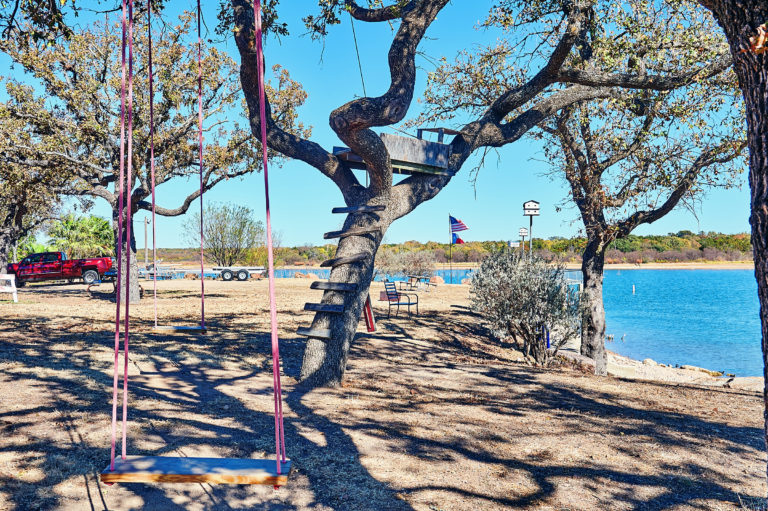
[[432, 416]]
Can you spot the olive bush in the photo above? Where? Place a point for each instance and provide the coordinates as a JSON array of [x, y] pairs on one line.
[[399, 264], [518, 297]]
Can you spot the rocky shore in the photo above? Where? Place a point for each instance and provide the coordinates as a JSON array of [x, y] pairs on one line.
[[650, 370]]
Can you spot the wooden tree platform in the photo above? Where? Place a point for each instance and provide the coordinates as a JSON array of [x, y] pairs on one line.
[[333, 286], [344, 260], [356, 231], [320, 333], [324, 307], [359, 209]]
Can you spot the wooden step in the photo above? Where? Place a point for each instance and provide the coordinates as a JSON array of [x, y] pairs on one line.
[[161, 329], [359, 209], [357, 231], [332, 286], [338, 261], [320, 333], [161, 469], [324, 307]]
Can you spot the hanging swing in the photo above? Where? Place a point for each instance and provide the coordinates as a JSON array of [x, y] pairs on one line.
[[169, 329], [150, 469]]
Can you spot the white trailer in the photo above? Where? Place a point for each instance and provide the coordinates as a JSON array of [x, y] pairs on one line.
[[237, 272]]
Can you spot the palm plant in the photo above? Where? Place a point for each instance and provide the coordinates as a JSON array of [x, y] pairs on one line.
[[82, 236]]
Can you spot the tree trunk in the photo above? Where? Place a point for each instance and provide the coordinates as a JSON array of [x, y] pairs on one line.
[[740, 21], [325, 360], [134, 268], [593, 326], [6, 245]]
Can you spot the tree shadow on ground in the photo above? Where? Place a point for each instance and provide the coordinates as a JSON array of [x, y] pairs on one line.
[[65, 436], [583, 410], [205, 417]]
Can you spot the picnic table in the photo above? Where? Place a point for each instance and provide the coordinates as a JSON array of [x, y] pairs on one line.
[[417, 282]]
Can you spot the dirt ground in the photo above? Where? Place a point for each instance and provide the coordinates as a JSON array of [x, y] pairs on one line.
[[433, 415]]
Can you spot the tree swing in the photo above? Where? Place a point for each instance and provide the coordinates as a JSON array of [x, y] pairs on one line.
[[148, 469], [169, 329]]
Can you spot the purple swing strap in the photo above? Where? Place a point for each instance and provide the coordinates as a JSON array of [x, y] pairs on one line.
[[279, 433], [125, 180], [152, 154], [200, 151], [124, 229]]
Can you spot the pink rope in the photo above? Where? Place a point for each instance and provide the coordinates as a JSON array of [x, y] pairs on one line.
[[152, 154], [200, 141], [119, 249], [279, 432], [129, 183], [126, 178]]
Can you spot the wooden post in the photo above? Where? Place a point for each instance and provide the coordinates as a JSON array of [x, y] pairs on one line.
[[530, 240], [450, 251], [8, 285], [370, 321], [146, 249]]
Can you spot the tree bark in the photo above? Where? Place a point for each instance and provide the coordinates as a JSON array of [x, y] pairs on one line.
[[593, 327], [6, 245], [740, 20], [325, 360], [134, 293]]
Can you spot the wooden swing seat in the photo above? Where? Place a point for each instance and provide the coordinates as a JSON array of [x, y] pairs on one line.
[[169, 329], [162, 469]]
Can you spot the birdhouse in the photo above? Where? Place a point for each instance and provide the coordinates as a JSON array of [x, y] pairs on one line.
[[409, 155], [531, 208]]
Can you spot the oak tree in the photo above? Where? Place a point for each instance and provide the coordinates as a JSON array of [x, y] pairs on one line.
[[30, 189], [624, 172], [552, 72], [628, 159], [231, 233], [80, 113]]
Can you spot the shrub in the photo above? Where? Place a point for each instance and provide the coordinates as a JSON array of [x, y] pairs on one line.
[[712, 254], [385, 263], [517, 297], [475, 256], [439, 255], [613, 256], [400, 264], [547, 255], [418, 263], [230, 232]]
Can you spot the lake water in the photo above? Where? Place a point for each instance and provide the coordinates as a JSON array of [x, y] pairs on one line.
[[450, 277], [707, 318]]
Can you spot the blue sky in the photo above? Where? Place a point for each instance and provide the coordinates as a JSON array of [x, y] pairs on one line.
[[492, 208]]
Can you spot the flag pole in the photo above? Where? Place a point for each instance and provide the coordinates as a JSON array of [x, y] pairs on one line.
[[450, 251]]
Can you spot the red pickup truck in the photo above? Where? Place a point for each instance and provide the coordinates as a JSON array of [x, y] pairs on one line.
[[56, 266]]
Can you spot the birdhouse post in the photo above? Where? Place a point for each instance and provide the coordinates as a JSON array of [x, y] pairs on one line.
[[530, 209], [523, 232]]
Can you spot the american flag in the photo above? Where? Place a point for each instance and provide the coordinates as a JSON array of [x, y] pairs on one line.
[[456, 224]]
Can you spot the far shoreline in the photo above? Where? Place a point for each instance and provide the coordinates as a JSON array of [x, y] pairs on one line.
[[714, 265], [700, 265]]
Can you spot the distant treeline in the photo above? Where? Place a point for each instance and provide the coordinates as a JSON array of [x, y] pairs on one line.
[[683, 246]]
